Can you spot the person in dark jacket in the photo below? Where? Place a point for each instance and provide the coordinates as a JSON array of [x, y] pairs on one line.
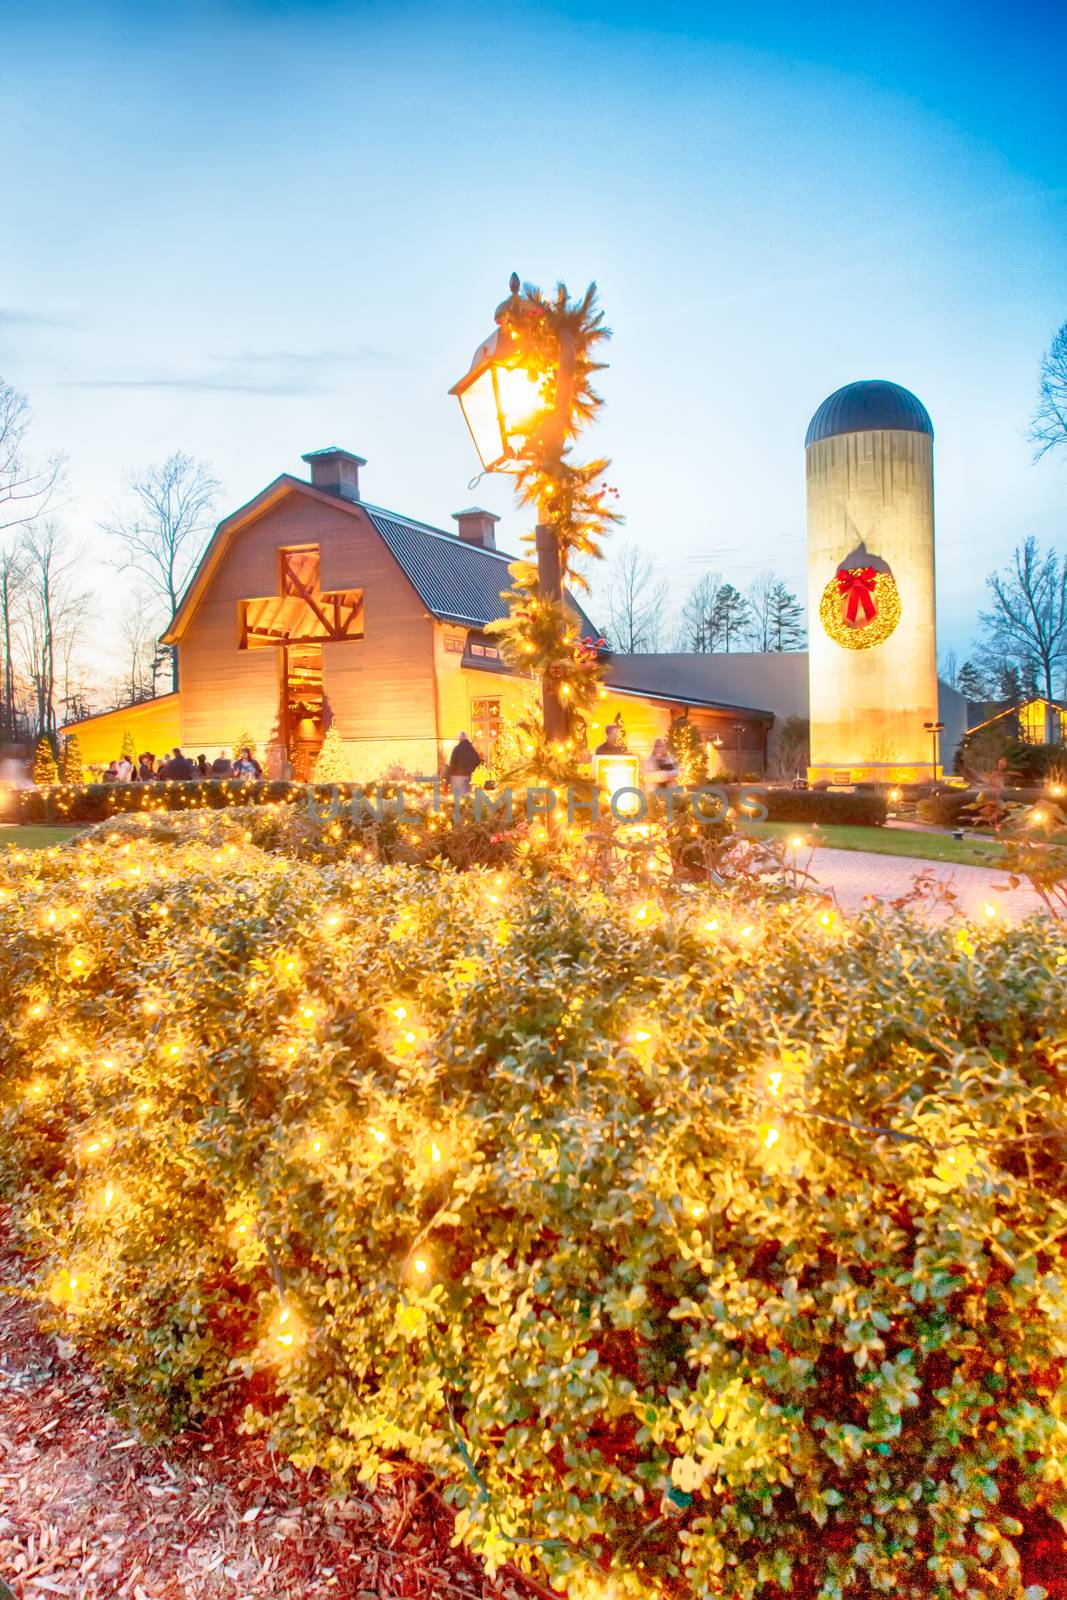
[[146, 767], [202, 767], [461, 764], [179, 766], [222, 766], [612, 745]]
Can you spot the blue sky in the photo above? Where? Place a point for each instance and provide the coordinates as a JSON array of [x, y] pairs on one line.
[[250, 230]]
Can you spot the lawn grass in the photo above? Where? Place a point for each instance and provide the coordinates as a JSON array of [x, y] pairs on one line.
[[966, 852], [34, 836]]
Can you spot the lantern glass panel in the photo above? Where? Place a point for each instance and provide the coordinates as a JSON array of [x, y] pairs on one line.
[[520, 396], [478, 400]]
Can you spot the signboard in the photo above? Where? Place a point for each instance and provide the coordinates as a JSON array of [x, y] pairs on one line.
[[619, 775]]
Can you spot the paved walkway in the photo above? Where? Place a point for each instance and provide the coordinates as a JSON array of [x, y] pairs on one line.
[[856, 875]]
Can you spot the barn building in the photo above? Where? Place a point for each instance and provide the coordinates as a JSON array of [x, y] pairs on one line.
[[312, 608]]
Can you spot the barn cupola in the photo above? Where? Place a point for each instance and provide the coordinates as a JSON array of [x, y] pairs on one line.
[[335, 471], [476, 526]]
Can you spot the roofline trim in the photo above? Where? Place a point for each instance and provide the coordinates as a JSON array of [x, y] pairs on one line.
[[113, 711], [689, 700]]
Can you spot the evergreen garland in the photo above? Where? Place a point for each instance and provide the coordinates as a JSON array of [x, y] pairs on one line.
[[569, 497]]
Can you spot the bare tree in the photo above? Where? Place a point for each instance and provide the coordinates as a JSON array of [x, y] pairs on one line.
[[758, 595], [12, 587], [948, 668], [26, 486], [698, 628], [1027, 626], [138, 631], [636, 602], [161, 534], [52, 617], [1049, 425]]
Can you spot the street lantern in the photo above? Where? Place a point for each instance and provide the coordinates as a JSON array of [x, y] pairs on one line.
[[506, 398], [502, 396], [739, 729], [933, 729]]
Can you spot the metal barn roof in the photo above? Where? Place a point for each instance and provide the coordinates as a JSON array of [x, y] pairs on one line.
[[863, 407], [457, 581]]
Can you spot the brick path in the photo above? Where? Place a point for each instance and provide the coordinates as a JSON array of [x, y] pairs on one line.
[[853, 875]]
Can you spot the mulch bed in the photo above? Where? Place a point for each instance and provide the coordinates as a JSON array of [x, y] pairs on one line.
[[91, 1512]]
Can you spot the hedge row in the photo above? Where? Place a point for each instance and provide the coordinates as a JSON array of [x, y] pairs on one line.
[[94, 802], [810, 805], [698, 1250]]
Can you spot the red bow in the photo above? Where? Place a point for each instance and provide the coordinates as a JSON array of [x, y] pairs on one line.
[[858, 586]]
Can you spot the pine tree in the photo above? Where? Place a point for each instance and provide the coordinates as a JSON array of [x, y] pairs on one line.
[[245, 742], [129, 748], [785, 619], [970, 682], [45, 770], [510, 755], [331, 763], [73, 770], [688, 746], [731, 618]]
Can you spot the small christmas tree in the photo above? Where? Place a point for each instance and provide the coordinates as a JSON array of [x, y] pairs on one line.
[[73, 770], [689, 752], [331, 764], [45, 770], [245, 742], [129, 749]]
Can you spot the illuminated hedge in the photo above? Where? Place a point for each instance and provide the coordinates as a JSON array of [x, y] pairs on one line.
[[696, 1249]]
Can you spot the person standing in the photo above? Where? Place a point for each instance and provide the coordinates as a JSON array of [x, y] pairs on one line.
[[222, 766], [179, 766], [661, 769], [461, 765], [612, 744]]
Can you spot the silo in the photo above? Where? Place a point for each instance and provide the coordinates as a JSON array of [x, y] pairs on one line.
[[872, 652]]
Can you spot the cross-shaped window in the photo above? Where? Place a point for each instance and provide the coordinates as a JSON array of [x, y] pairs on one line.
[[300, 613]]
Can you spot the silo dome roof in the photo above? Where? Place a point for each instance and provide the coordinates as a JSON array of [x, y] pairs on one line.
[[874, 403]]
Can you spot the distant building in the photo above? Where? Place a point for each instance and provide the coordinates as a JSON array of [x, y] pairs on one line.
[[311, 608], [1035, 721]]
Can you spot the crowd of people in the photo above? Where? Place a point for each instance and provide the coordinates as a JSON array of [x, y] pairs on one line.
[[175, 766], [660, 768]]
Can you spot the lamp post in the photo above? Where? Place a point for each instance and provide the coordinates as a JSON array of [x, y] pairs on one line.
[[739, 729], [933, 729], [511, 420]]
